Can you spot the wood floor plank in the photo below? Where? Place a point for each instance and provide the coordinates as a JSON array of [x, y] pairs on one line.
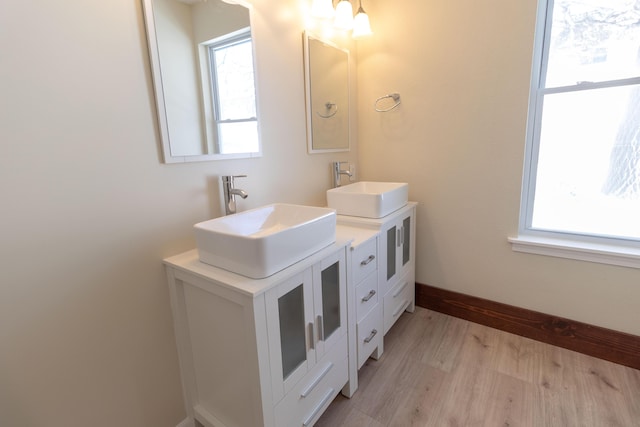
[[439, 370]]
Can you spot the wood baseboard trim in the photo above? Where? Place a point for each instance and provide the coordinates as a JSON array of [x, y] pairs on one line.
[[607, 344]]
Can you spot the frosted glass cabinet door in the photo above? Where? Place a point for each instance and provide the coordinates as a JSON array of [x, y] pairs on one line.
[[293, 340], [306, 316], [290, 323], [396, 241], [391, 252], [330, 293], [406, 240]]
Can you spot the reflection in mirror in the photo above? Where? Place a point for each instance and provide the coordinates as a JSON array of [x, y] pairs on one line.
[[327, 80], [203, 71]]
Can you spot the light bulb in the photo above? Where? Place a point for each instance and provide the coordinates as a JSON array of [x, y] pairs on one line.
[[361, 26], [344, 15]]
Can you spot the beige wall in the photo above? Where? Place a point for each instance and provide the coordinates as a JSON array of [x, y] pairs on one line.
[[462, 69], [88, 211]]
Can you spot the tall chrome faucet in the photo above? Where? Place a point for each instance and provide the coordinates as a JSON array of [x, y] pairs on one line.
[[337, 172], [230, 193]]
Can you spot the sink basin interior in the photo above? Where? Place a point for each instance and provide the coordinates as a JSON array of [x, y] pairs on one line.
[[368, 199], [260, 242]]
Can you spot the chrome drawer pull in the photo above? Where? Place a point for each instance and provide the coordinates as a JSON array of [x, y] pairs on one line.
[[315, 382], [401, 308], [369, 295], [399, 291], [368, 339], [368, 260], [317, 409]]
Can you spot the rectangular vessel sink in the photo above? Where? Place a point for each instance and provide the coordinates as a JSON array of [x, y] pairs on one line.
[[260, 242], [368, 199]]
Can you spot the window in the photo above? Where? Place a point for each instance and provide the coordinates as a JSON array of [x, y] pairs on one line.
[[582, 174], [233, 94]]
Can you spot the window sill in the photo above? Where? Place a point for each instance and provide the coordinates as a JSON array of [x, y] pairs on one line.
[[591, 252]]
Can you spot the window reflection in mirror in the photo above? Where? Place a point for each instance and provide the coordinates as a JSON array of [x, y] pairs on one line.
[[327, 85], [203, 70]]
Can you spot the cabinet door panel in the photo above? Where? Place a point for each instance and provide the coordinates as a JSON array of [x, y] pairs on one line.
[[330, 295], [391, 252], [292, 330], [406, 240], [330, 282], [291, 342]]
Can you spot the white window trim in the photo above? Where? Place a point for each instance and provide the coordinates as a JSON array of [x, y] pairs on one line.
[[611, 254], [603, 250]]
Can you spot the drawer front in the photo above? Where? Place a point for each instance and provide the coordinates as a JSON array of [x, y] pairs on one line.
[[397, 300], [366, 295], [369, 332], [304, 404], [364, 260]]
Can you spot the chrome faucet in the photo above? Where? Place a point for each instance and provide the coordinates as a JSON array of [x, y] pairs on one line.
[[230, 193], [337, 172]]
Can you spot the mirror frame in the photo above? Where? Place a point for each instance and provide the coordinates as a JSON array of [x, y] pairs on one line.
[[156, 76], [309, 113]]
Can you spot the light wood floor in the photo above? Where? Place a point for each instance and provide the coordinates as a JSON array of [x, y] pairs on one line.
[[439, 370]]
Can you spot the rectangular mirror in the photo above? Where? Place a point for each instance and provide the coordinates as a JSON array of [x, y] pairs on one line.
[[202, 60], [327, 90]]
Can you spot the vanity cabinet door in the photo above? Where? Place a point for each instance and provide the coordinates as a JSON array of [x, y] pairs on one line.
[[397, 245], [306, 318], [290, 325], [330, 295]]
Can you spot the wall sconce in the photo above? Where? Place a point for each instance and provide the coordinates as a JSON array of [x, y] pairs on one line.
[[361, 27], [342, 16]]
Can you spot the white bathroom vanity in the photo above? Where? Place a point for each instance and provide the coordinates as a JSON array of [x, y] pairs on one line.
[[275, 351]]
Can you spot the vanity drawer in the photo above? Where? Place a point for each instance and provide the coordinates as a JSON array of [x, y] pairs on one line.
[[397, 300], [304, 404], [369, 332], [364, 260], [366, 295]]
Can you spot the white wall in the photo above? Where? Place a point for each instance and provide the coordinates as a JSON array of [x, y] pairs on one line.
[[462, 69], [87, 210]]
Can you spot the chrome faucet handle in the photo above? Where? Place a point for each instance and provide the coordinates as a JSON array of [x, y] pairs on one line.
[[338, 171], [230, 193]]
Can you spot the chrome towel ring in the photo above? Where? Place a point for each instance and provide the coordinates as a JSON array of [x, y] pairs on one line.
[[394, 96], [329, 106]]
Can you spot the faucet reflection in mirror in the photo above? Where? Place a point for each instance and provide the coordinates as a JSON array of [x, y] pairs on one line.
[[203, 72], [342, 16]]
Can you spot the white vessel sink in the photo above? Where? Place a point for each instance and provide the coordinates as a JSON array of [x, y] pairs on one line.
[[260, 242], [368, 199]]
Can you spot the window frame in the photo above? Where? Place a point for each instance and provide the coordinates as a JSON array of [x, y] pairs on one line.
[[210, 80], [240, 37], [586, 247]]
